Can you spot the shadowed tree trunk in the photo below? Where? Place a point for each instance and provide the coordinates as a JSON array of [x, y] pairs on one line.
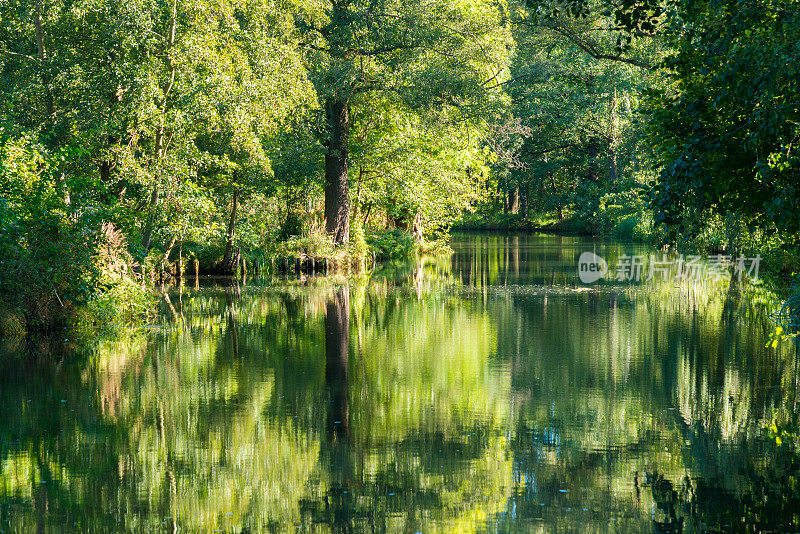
[[513, 201], [147, 233], [502, 193], [105, 171], [559, 207], [337, 194]]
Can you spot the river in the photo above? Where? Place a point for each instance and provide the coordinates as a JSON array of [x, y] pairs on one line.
[[487, 391]]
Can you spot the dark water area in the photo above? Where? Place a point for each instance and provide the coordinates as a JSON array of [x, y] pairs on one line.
[[487, 391]]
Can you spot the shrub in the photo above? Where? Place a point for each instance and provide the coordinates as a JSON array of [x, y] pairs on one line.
[[358, 245], [57, 263], [391, 244], [316, 245]]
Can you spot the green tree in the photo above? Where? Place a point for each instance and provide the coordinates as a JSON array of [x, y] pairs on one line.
[[726, 126], [441, 54]]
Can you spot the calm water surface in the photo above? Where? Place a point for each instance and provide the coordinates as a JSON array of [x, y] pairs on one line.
[[490, 391]]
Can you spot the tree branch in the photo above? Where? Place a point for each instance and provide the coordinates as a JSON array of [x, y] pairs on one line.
[[17, 54], [592, 49], [551, 149], [315, 47]]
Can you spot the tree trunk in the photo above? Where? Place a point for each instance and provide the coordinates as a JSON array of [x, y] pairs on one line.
[[337, 195], [62, 188], [560, 208], [41, 47], [502, 192], [613, 168], [415, 228], [159, 148], [105, 171], [227, 259], [179, 268], [147, 234], [513, 201]]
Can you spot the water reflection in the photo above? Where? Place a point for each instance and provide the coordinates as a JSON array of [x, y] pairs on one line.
[[486, 392]]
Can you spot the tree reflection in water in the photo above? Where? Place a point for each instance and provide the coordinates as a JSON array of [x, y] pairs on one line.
[[485, 393]]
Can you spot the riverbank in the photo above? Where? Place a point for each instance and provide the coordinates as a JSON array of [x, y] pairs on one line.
[[124, 291], [110, 289], [634, 226]]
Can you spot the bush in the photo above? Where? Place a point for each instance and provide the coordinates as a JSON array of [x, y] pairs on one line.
[[57, 264], [358, 245], [436, 247], [391, 244], [493, 221], [46, 266], [121, 299], [11, 324], [57, 273], [314, 245]]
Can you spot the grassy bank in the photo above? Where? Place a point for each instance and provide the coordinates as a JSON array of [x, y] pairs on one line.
[[630, 228]]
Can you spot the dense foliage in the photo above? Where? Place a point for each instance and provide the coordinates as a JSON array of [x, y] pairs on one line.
[[727, 121], [229, 133], [660, 121]]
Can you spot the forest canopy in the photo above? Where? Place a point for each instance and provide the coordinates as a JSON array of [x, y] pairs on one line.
[[146, 138]]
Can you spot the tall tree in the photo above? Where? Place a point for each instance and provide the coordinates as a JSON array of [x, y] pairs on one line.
[[431, 54], [575, 92]]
